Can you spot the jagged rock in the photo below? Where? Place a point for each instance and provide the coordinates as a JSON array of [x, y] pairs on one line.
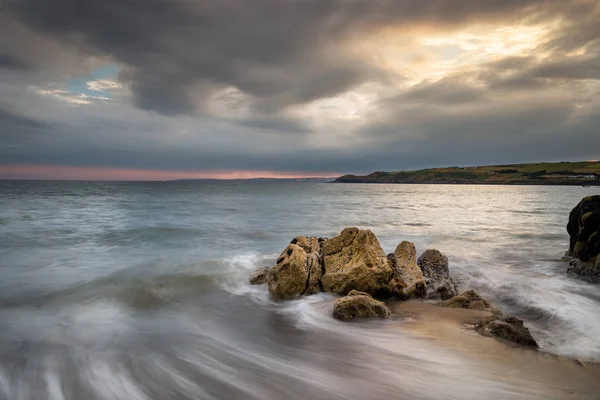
[[584, 228], [355, 260], [312, 246], [584, 239], [259, 276], [508, 328], [470, 300], [288, 278], [408, 280], [359, 305], [298, 270], [434, 266]]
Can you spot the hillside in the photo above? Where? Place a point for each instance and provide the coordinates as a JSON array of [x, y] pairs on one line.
[[561, 173]]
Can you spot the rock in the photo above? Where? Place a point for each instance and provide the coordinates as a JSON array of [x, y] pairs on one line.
[[498, 325], [312, 247], [408, 280], [298, 270], [434, 266], [584, 228], [584, 239], [470, 300], [508, 328], [288, 278], [355, 260], [259, 276], [359, 305], [587, 271]]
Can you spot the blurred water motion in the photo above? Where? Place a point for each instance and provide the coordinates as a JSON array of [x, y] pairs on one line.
[[139, 291]]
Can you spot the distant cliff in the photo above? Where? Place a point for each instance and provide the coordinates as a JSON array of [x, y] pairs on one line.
[[564, 173]]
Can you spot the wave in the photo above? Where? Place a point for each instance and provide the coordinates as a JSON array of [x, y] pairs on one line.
[[138, 288]]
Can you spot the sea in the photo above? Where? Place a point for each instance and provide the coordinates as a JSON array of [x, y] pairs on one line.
[[139, 290]]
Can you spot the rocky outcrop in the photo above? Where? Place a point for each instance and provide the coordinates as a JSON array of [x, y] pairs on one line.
[[354, 260], [584, 239], [408, 280], [508, 328], [359, 305], [259, 276], [434, 266], [470, 300]]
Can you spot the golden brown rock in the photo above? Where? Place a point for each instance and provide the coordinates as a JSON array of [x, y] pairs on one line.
[[355, 260], [312, 246], [359, 305], [288, 278], [408, 280]]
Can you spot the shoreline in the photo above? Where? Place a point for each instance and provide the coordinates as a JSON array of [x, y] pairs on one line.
[[539, 373], [587, 184]]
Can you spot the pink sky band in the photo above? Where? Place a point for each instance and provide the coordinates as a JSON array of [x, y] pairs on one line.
[[128, 174]]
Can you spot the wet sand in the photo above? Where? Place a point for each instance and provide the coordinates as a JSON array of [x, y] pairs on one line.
[[539, 374]]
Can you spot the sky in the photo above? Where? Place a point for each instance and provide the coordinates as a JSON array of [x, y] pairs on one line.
[[168, 89]]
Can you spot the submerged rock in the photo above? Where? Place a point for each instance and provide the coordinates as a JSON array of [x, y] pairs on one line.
[[434, 266], [505, 327], [259, 276], [470, 300], [587, 271], [359, 305], [408, 280], [354, 260], [508, 328]]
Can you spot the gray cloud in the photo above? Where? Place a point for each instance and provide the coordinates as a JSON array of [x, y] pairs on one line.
[[11, 62], [280, 56], [281, 52]]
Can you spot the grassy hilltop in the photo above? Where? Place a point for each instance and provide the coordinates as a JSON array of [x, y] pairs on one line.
[[561, 173]]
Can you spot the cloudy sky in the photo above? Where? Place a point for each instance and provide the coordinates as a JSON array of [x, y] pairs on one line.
[[161, 89]]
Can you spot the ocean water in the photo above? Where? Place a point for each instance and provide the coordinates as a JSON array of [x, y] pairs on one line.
[[138, 291]]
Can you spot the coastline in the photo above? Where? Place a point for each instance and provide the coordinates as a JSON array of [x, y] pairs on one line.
[[539, 374], [581, 184]]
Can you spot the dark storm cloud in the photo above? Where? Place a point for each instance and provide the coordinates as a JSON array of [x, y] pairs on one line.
[[11, 62], [9, 121], [276, 124], [176, 56], [281, 52]]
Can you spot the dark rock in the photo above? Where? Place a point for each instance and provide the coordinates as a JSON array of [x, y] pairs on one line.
[[584, 239], [359, 305], [259, 276], [434, 266], [508, 328], [587, 271], [584, 228]]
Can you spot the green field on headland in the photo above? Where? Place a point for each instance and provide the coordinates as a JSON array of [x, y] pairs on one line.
[[560, 173]]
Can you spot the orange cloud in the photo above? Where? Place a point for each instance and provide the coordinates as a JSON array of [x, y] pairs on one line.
[[59, 172]]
